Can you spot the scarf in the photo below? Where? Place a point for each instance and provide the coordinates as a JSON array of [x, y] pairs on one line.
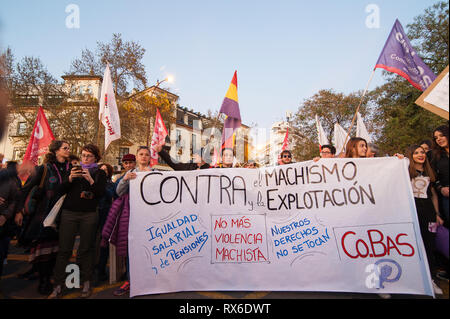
[[91, 167]]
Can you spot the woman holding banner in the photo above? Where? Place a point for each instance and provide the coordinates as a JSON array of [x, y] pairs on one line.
[[426, 200], [356, 148], [116, 225]]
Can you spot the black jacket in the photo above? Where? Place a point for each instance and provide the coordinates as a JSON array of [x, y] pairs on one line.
[[180, 166], [88, 202], [441, 167]]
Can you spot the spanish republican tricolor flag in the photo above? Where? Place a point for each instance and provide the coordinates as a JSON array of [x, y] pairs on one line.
[[230, 107]]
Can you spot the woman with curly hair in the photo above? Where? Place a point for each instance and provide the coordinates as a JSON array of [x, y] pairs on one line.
[[43, 241]]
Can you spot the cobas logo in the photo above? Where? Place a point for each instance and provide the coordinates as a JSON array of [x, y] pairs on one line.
[[379, 245], [374, 243]]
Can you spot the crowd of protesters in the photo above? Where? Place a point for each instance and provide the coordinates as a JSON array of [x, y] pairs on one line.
[[94, 208]]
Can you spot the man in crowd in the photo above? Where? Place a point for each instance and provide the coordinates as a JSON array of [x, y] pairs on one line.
[[285, 158], [328, 151]]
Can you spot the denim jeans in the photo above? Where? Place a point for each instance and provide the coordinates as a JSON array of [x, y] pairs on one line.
[[73, 223]]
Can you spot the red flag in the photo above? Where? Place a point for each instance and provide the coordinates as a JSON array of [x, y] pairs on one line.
[[286, 140], [40, 139], [159, 135]]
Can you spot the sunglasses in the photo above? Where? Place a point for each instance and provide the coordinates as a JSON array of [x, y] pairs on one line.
[[287, 156]]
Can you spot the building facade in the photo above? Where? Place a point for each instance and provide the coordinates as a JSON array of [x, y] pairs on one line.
[[189, 131]]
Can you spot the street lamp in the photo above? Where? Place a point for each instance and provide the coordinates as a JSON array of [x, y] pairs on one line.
[[168, 79]]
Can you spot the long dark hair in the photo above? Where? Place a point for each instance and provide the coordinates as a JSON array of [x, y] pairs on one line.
[[426, 165], [436, 150], [55, 145]]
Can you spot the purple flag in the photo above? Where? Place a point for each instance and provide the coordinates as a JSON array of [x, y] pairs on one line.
[[230, 107], [398, 56]]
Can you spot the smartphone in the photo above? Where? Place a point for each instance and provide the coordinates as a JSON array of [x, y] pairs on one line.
[[77, 168]]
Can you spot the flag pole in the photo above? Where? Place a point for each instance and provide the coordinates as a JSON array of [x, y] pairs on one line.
[[357, 110], [98, 130]]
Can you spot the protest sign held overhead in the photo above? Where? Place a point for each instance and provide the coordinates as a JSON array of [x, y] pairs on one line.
[[435, 98]]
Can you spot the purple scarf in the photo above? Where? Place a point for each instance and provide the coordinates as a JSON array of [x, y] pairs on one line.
[[91, 167]]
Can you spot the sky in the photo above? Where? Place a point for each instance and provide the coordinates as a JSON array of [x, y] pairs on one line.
[[283, 51]]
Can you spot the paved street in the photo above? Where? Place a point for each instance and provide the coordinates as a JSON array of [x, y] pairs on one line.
[[11, 287]]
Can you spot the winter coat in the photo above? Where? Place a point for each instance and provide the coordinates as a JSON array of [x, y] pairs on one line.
[[33, 228], [116, 226], [9, 191]]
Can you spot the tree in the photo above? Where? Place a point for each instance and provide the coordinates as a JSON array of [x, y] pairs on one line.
[[400, 121], [331, 108], [125, 62], [31, 85], [140, 111], [429, 34]]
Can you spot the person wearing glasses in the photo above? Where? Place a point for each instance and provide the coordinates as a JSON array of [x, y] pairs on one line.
[[327, 151], [84, 187], [43, 241], [285, 158]]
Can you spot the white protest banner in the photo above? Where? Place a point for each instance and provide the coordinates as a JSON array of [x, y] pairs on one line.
[[342, 225], [435, 97]]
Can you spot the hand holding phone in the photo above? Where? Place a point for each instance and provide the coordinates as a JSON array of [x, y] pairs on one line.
[[76, 172]]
